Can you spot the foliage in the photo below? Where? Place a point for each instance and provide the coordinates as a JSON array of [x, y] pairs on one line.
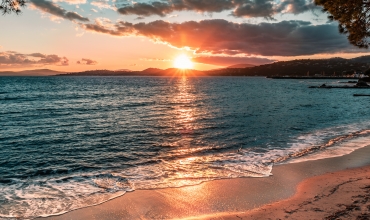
[[11, 6], [353, 18], [367, 72]]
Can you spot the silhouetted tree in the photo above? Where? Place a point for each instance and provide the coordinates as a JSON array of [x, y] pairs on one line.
[[367, 72], [353, 18], [12, 6]]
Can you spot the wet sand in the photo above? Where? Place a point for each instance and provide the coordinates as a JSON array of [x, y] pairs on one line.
[[334, 188], [339, 195]]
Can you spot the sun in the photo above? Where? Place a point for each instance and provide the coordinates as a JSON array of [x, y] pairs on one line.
[[183, 62]]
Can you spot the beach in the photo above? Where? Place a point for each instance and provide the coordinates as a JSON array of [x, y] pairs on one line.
[[327, 188], [339, 195], [99, 148], [178, 109]]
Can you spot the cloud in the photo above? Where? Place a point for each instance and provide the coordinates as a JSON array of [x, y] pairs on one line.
[[12, 58], [231, 60], [257, 8], [56, 10], [268, 8], [103, 4], [146, 9], [286, 38], [139, 18], [240, 8], [84, 61], [295, 6]]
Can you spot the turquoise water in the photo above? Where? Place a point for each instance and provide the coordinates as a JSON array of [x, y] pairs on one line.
[[72, 142]]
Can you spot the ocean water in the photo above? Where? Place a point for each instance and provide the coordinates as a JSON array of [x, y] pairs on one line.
[[72, 142]]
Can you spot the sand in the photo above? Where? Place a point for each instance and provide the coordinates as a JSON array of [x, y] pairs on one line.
[[333, 188], [339, 195]]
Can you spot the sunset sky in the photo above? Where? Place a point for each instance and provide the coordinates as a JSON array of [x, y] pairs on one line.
[[77, 35]]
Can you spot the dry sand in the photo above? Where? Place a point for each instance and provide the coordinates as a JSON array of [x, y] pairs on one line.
[[337, 188], [340, 195]]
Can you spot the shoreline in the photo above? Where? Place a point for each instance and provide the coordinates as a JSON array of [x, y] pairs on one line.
[[219, 199], [343, 193]]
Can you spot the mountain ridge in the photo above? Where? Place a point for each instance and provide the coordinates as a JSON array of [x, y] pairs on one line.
[[241, 65], [33, 72], [301, 67]]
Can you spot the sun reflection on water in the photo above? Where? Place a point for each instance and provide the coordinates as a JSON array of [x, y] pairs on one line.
[[187, 169], [185, 112], [185, 156]]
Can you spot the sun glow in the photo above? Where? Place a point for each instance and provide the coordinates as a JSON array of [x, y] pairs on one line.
[[183, 62]]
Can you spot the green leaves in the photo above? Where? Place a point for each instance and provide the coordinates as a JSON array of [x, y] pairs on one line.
[[353, 18], [11, 6]]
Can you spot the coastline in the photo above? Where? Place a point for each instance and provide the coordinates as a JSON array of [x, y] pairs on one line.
[[221, 199], [342, 194]]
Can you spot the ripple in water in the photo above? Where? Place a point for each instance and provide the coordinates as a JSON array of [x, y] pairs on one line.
[[67, 143]]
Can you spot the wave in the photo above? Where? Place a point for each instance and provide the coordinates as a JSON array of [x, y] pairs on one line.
[[45, 197], [59, 193], [359, 137]]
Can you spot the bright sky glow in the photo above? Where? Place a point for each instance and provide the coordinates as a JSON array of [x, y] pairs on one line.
[[183, 62], [78, 35]]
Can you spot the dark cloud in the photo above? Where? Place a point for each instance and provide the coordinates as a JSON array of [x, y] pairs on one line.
[[54, 9], [296, 6], [241, 8], [167, 7], [229, 60], [12, 58], [208, 6], [268, 8], [84, 61], [40, 55], [255, 8], [286, 38], [145, 9]]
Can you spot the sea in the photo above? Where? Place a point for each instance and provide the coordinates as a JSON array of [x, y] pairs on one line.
[[72, 142]]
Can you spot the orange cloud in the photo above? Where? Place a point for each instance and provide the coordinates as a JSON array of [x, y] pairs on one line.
[[286, 38], [14, 59], [84, 61]]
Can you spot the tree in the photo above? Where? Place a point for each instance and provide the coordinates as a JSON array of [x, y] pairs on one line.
[[353, 17], [12, 6], [367, 72]]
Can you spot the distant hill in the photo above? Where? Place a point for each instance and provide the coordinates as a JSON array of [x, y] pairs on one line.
[[36, 72], [126, 70], [337, 59], [175, 71], [362, 59], [238, 66], [305, 67], [152, 70], [103, 72], [8, 73], [146, 72]]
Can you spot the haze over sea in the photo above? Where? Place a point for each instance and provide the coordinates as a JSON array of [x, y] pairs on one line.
[[72, 142]]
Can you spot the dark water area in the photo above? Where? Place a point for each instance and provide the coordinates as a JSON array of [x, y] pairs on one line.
[[71, 142]]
